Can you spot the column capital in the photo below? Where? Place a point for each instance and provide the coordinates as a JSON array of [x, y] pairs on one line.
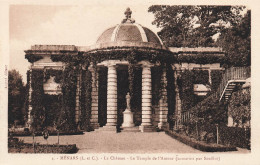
[[145, 64], [112, 65], [112, 62], [91, 68], [176, 66]]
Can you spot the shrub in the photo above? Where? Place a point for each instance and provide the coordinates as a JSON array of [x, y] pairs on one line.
[[240, 106], [235, 136], [200, 145]]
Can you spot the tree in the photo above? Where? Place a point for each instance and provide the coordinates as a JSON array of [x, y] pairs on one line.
[[236, 42], [176, 23], [193, 26], [16, 97]]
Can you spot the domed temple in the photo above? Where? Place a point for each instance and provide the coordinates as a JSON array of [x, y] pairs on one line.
[[127, 81]]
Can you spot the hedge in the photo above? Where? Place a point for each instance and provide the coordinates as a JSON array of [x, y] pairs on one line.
[[235, 136], [200, 145], [15, 146]]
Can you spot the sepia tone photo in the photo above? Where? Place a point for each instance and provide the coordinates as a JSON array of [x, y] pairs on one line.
[[129, 79]]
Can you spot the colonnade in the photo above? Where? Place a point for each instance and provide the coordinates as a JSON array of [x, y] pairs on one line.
[[146, 106]]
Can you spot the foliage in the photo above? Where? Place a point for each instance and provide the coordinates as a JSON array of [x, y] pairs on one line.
[[193, 26], [170, 92], [200, 145], [131, 54], [38, 110], [131, 79], [202, 58], [21, 147], [185, 83], [210, 109], [136, 100], [54, 73], [52, 106], [85, 99], [156, 84], [32, 58], [235, 136], [201, 77], [26, 101], [216, 77], [16, 98], [240, 106], [69, 85], [102, 96], [236, 41]]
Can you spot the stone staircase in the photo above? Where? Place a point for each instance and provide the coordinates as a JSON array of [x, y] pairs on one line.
[[233, 77]]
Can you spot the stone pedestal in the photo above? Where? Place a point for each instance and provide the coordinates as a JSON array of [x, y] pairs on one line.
[[128, 124], [128, 119], [230, 121]]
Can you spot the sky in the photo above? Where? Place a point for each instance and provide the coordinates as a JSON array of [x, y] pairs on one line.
[[64, 25]]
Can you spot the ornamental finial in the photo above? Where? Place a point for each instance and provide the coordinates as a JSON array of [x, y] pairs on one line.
[[128, 13], [128, 18]]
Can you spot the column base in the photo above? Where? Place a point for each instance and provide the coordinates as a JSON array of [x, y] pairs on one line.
[[95, 125], [162, 126], [108, 128], [147, 128], [129, 129]]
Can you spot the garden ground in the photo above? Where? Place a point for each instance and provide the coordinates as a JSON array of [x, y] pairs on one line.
[[124, 142]]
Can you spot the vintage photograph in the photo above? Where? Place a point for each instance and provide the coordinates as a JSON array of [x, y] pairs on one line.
[[126, 79]]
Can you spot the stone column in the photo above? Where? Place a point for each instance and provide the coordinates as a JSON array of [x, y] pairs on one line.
[[177, 72], [111, 98], [94, 96], [146, 98], [111, 95], [163, 104], [210, 80], [77, 108]]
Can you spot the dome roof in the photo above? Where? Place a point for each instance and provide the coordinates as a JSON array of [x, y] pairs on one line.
[[128, 33]]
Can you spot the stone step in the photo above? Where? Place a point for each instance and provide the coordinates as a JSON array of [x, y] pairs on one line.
[[130, 129]]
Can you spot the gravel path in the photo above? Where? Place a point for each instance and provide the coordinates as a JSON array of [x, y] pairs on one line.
[[124, 142]]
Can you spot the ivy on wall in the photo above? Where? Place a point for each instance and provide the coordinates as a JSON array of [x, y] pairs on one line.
[[84, 100], [132, 55], [26, 103], [186, 83], [200, 77], [170, 92], [54, 73], [52, 105], [201, 58], [216, 77], [156, 84], [33, 58], [69, 85], [136, 98], [38, 110], [102, 95]]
